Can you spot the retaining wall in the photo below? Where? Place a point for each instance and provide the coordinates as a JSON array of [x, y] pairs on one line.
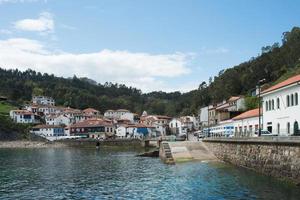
[[278, 157]]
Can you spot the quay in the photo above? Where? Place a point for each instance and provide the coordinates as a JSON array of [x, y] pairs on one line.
[[273, 156]]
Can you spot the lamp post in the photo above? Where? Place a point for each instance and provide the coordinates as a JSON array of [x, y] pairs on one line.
[[259, 106]]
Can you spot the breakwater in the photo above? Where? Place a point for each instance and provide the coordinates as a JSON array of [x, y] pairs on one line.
[[273, 156]]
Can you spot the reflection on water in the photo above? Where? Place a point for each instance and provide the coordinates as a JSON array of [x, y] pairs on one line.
[[114, 174]]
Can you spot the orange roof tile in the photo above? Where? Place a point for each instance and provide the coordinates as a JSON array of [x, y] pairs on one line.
[[282, 84], [247, 114], [91, 123], [88, 110]]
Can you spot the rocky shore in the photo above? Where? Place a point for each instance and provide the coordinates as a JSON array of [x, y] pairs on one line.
[[29, 144]]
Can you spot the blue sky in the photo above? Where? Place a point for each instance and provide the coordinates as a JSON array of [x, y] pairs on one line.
[[152, 45]]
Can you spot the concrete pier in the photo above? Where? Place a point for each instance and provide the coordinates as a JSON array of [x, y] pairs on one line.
[[188, 151]]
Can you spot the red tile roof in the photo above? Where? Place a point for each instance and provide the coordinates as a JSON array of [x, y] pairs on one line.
[[91, 123], [22, 112], [247, 114], [48, 126], [90, 110], [282, 84]]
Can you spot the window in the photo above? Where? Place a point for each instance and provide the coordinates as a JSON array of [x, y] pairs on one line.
[[296, 99], [278, 103], [292, 99], [278, 128], [296, 128], [288, 100], [272, 104], [288, 126], [267, 106]]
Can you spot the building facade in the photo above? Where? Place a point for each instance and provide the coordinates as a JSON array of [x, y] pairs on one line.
[[43, 100], [281, 107]]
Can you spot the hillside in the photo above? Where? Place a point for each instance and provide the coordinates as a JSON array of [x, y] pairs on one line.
[[276, 62]]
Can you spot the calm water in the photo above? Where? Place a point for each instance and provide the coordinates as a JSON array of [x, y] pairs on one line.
[[112, 174]]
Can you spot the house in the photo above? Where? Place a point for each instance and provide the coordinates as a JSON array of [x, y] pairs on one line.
[[160, 122], [212, 115], [91, 112], [247, 123], [143, 130], [93, 128], [58, 119], [43, 100], [48, 131], [116, 114], [75, 115], [176, 127], [24, 116], [125, 130], [189, 122], [203, 117], [226, 110], [281, 107]]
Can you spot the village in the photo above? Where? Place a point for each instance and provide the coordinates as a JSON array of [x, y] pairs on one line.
[[230, 118]]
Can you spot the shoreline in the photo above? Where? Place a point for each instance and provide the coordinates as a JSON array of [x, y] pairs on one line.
[[25, 144]]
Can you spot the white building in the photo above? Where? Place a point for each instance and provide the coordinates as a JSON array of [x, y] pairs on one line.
[[247, 123], [43, 100], [203, 116], [58, 120], [116, 114], [244, 125], [24, 116], [160, 122], [48, 131], [125, 131], [176, 127], [281, 107]]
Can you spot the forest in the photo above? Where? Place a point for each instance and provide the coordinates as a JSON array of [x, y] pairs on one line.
[[276, 62]]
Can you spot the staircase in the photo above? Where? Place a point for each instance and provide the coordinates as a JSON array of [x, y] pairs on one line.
[[167, 158]]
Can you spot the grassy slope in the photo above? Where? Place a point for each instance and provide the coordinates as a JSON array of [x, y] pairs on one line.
[[5, 108], [10, 130]]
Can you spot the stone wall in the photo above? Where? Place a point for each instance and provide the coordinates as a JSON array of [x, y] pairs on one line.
[[92, 143], [275, 157]]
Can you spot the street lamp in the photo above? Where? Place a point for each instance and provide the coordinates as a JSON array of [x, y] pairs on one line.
[[259, 106]]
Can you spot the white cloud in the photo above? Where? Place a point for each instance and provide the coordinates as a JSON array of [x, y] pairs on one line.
[[43, 24], [142, 70]]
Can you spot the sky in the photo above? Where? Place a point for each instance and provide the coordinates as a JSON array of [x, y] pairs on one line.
[[153, 45]]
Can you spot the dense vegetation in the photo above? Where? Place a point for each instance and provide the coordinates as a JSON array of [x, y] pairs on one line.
[[276, 62]]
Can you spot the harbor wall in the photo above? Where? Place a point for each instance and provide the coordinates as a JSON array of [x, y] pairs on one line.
[[277, 157], [92, 143]]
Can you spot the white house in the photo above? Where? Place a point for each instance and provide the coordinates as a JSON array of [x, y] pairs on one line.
[[43, 100], [281, 107], [48, 130], [24, 116], [125, 130], [176, 127], [203, 116], [128, 116], [58, 120], [115, 114]]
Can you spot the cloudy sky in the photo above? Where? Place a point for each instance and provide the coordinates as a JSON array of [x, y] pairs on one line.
[[166, 45]]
